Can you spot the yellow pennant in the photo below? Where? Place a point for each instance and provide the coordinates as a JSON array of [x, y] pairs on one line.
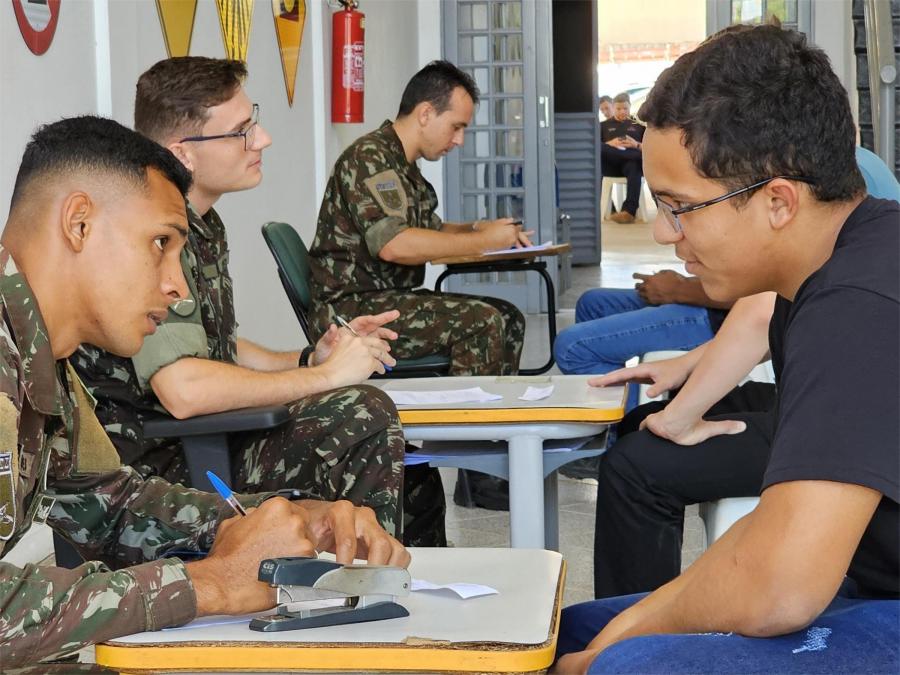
[[234, 16], [177, 19], [290, 17]]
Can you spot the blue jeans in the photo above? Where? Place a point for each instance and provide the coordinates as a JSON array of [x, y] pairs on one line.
[[850, 636], [614, 325]]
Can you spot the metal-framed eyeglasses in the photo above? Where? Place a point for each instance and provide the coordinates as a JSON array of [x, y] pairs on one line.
[[671, 214], [248, 133]]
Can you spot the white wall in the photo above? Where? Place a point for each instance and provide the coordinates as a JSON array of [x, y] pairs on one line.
[[63, 82]]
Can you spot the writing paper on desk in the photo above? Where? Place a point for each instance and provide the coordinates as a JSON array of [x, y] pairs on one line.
[[449, 396], [523, 249], [537, 393], [463, 590]]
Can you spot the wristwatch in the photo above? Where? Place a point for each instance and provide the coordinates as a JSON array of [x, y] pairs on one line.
[[306, 352]]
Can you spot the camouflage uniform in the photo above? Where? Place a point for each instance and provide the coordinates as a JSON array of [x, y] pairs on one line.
[[373, 195], [57, 465], [342, 444]]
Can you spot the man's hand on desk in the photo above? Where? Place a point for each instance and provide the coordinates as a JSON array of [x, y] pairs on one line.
[[365, 326], [502, 233], [226, 581], [663, 376]]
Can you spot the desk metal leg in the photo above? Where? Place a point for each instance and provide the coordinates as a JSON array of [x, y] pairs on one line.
[[551, 512], [526, 491], [541, 268]]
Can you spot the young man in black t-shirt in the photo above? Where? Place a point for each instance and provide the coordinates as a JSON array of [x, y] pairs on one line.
[[750, 153]]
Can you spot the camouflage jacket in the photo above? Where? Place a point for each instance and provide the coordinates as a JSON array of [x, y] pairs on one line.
[[203, 327], [373, 195], [57, 465]]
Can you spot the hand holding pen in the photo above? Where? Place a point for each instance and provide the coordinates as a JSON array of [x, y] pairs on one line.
[[346, 324]]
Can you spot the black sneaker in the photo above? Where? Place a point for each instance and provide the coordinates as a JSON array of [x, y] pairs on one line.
[[484, 491], [586, 467]]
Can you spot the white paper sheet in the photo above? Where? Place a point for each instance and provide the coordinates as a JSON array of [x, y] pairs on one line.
[[473, 395], [524, 249], [463, 590], [537, 393]]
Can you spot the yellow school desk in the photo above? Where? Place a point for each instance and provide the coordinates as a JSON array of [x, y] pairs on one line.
[[515, 261], [514, 631], [573, 410]]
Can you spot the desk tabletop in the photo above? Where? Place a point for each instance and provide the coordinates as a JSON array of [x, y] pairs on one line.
[[572, 400], [514, 631], [554, 250]]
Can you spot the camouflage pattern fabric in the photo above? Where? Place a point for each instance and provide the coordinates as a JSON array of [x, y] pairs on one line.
[[375, 193], [343, 444], [60, 469]]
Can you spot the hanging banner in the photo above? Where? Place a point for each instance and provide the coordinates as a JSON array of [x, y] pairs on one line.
[[235, 16], [290, 17], [177, 20], [37, 22]]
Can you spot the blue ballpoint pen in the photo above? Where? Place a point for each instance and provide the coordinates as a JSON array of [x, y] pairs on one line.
[[225, 492], [346, 324]]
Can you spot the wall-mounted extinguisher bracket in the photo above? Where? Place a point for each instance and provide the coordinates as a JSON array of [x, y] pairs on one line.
[[348, 64]]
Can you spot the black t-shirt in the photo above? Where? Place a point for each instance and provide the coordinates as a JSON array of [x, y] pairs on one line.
[[613, 128], [835, 351]]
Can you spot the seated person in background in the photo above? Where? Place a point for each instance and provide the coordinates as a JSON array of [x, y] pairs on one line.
[[378, 227], [605, 104], [747, 218], [89, 191], [343, 440], [666, 310], [638, 540], [620, 154]]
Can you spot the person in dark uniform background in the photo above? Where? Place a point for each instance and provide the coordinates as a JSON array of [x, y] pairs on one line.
[[620, 154]]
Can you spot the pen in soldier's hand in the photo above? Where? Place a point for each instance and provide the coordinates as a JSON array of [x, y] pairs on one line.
[[226, 493], [346, 324]]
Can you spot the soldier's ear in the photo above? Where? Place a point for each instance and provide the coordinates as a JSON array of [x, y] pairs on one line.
[[75, 215], [424, 113], [181, 151]]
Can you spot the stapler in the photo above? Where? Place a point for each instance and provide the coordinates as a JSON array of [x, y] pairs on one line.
[[369, 592]]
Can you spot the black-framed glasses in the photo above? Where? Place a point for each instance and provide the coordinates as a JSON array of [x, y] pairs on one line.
[[671, 214], [248, 133]]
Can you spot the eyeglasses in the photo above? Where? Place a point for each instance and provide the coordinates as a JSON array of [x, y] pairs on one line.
[[671, 214], [248, 133]]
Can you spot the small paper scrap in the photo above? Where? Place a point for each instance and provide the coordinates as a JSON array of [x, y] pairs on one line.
[[536, 393], [449, 396], [463, 590]]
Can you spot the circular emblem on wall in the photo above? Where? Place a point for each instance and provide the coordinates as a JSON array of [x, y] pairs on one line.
[[37, 22]]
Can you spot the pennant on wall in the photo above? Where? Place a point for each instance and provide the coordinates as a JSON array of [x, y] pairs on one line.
[[177, 19], [290, 17], [37, 22], [235, 15]]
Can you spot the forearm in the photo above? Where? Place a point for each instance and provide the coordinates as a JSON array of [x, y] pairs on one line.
[[741, 343], [690, 292], [416, 246], [456, 228], [252, 355], [191, 387], [51, 611]]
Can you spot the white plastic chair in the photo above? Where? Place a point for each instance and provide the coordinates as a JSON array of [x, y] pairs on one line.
[[621, 184]]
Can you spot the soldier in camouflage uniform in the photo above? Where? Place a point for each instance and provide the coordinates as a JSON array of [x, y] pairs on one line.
[[90, 190], [342, 442], [377, 228]]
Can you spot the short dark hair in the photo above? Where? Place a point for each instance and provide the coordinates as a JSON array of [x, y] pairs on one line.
[[97, 145], [435, 84], [624, 97], [174, 95], [605, 99], [754, 102]]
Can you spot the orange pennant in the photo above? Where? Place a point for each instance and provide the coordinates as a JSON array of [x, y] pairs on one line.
[[290, 17], [177, 19], [235, 16]]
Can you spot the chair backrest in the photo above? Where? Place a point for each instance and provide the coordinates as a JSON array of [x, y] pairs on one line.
[[292, 259]]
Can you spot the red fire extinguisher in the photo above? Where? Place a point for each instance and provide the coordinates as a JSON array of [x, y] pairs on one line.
[[348, 62]]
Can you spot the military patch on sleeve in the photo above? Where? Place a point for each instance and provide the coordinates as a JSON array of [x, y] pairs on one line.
[[7, 497], [42, 512], [387, 189]]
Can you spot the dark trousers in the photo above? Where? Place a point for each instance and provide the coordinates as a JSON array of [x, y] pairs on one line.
[[628, 163], [645, 482]]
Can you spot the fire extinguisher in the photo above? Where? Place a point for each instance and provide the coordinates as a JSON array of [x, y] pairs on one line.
[[348, 64]]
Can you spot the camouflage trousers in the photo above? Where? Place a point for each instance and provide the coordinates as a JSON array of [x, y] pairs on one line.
[[482, 336]]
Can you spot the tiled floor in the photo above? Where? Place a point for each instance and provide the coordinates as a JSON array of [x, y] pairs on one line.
[[626, 249]]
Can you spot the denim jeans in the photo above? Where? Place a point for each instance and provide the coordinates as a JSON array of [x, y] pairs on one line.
[[850, 636], [614, 325]]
